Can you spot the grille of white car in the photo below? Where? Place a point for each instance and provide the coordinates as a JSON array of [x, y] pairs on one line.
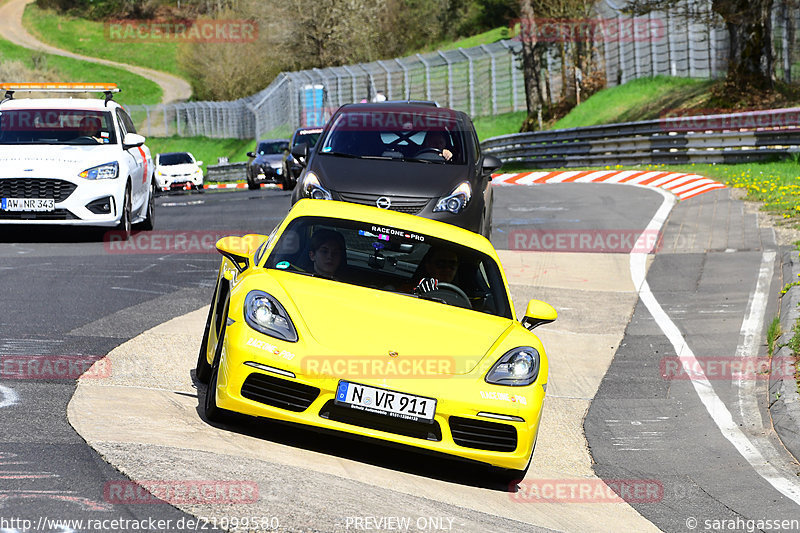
[[59, 190]]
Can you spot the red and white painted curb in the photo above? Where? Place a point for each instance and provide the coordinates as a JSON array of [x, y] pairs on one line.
[[682, 185], [238, 186]]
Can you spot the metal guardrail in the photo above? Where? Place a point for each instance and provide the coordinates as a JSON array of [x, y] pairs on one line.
[[227, 172], [728, 138]]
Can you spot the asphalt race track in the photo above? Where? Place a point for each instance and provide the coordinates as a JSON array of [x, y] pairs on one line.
[[70, 296]]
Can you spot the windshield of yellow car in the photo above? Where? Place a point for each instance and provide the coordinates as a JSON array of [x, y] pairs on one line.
[[391, 259]]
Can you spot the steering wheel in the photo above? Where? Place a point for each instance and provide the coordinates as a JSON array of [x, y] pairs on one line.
[[451, 294], [429, 150]]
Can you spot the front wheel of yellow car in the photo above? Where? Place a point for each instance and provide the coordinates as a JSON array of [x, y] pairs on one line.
[[511, 478], [213, 412], [202, 369]]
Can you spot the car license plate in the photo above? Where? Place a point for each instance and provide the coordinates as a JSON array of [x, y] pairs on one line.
[[385, 402], [27, 204]]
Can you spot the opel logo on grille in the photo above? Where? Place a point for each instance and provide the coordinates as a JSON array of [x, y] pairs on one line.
[[392, 353], [383, 202]]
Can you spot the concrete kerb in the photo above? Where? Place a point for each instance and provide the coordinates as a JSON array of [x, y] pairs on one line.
[[784, 400]]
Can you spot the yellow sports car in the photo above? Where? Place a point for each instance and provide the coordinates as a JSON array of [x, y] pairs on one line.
[[380, 324]]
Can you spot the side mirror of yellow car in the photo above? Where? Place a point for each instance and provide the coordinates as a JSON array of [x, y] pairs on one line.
[[240, 250], [538, 313]]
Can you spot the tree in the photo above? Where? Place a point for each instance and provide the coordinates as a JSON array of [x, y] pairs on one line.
[[531, 57], [750, 58]]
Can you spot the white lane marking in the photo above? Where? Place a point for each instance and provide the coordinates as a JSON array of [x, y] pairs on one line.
[[8, 397], [137, 290], [715, 407]]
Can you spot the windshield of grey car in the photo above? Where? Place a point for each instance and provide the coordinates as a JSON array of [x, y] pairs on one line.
[[56, 126], [430, 137], [391, 259], [271, 148]]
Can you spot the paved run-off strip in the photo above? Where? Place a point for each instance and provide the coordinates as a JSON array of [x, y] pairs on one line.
[[147, 409], [682, 185]]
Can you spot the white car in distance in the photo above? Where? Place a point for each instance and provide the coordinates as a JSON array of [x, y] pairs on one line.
[[178, 170], [73, 161]]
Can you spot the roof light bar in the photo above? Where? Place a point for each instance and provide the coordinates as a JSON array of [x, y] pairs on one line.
[[61, 87]]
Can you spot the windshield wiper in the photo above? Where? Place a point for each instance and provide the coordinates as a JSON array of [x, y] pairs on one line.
[[342, 154]]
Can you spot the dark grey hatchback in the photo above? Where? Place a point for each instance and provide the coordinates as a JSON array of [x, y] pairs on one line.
[[412, 157]]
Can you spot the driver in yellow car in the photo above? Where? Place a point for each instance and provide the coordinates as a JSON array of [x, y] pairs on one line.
[[439, 266]]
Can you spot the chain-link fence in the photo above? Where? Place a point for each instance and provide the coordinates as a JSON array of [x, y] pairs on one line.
[[483, 80]]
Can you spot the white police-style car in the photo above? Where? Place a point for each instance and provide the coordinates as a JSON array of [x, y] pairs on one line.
[[73, 161]]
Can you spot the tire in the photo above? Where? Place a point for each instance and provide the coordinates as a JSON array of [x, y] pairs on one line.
[[202, 369], [510, 477], [251, 183], [150, 218], [124, 226], [212, 411]]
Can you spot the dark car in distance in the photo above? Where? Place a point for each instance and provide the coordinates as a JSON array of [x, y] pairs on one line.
[[266, 163], [291, 166], [413, 157]]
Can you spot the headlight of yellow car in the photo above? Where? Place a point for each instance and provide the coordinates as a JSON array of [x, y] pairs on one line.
[[517, 368], [265, 314]]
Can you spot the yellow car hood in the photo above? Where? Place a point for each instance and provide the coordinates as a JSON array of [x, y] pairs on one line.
[[350, 320]]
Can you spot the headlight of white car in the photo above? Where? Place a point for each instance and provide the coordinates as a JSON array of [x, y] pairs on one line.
[[101, 172]]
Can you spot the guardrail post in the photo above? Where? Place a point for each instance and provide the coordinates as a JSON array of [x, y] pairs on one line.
[[493, 76], [406, 88], [449, 79], [514, 74], [353, 81], [622, 68], [471, 83], [427, 76], [388, 80]]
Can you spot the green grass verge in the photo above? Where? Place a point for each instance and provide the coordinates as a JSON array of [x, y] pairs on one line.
[[135, 89], [90, 38], [487, 37], [641, 99], [503, 124], [204, 149]]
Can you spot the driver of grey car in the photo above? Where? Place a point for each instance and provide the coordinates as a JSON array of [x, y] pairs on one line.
[[438, 141]]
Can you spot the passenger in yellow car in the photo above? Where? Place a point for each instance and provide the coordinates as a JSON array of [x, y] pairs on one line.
[[327, 252]]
